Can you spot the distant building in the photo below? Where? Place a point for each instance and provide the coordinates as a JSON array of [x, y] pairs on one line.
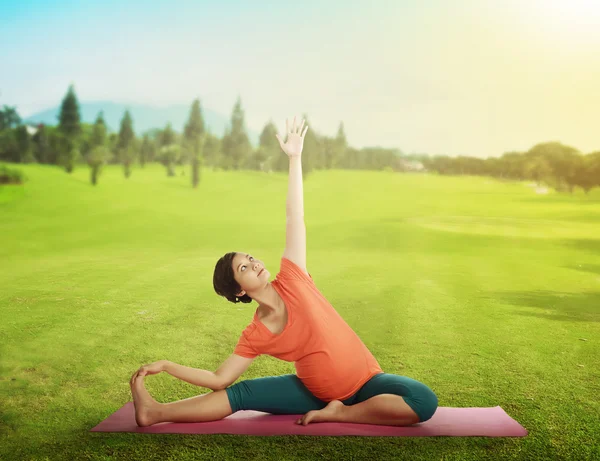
[[31, 128], [412, 165]]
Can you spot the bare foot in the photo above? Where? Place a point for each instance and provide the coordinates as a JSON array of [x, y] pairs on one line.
[[146, 408], [329, 413]]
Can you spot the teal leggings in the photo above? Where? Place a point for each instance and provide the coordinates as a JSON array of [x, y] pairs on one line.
[[286, 394]]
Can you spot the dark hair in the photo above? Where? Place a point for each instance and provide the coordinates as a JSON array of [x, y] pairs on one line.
[[224, 283]]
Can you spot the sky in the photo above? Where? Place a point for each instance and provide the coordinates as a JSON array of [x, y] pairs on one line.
[[454, 77]]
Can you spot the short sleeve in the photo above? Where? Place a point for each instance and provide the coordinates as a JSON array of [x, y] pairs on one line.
[[244, 348], [290, 270]]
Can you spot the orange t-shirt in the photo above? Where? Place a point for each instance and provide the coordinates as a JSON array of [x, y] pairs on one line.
[[330, 359]]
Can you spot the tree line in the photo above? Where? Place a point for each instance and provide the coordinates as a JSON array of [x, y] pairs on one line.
[[72, 142], [551, 163]]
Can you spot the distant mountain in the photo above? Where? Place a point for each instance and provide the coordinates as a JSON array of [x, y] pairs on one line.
[[144, 117]]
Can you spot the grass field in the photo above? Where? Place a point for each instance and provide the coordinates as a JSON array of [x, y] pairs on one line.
[[484, 290]]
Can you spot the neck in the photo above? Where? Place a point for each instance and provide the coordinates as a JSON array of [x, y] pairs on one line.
[[268, 300]]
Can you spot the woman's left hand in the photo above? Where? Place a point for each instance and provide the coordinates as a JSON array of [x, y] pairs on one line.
[[295, 140]]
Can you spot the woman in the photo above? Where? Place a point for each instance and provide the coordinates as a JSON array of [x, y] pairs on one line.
[[337, 378]]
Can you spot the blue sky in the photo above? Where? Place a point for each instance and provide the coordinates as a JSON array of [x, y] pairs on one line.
[[460, 77]]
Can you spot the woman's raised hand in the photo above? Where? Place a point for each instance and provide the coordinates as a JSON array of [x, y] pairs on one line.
[[295, 140]]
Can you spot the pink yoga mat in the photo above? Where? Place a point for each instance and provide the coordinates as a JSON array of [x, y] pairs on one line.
[[461, 422]]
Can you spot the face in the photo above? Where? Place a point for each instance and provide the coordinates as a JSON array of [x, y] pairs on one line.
[[246, 270]]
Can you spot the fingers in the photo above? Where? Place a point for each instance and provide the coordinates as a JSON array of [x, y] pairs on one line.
[[300, 129], [295, 129]]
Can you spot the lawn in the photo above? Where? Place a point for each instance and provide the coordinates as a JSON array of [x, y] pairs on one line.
[[484, 290]]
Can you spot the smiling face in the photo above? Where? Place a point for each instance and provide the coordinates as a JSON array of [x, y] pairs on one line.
[[246, 270]]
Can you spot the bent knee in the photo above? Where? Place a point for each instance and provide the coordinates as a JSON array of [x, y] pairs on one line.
[[426, 404]]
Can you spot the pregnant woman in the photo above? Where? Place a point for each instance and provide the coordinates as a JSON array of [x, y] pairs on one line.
[[337, 378]]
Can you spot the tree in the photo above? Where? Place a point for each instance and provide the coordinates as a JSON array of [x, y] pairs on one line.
[[194, 136], [56, 143], [13, 136], [169, 156], [167, 136], [513, 165], [169, 152], [96, 159], [9, 147], [562, 161], [25, 145], [98, 137], [211, 153], [268, 148], [126, 146], [236, 145], [113, 147], [537, 168], [588, 175], [9, 118], [147, 150], [98, 154], [70, 128], [337, 149], [41, 144]]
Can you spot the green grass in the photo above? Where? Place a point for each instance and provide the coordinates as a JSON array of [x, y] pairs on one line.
[[481, 289]]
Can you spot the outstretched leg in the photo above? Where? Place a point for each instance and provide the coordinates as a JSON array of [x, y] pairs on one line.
[[207, 407]]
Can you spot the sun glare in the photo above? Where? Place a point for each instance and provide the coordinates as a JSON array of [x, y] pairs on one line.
[[573, 24], [574, 7], [571, 13]]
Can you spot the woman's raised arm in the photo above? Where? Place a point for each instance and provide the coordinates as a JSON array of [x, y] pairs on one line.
[[295, 241], [293, 149]]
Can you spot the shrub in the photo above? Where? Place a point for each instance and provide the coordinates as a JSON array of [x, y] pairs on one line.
[[11, 176]]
